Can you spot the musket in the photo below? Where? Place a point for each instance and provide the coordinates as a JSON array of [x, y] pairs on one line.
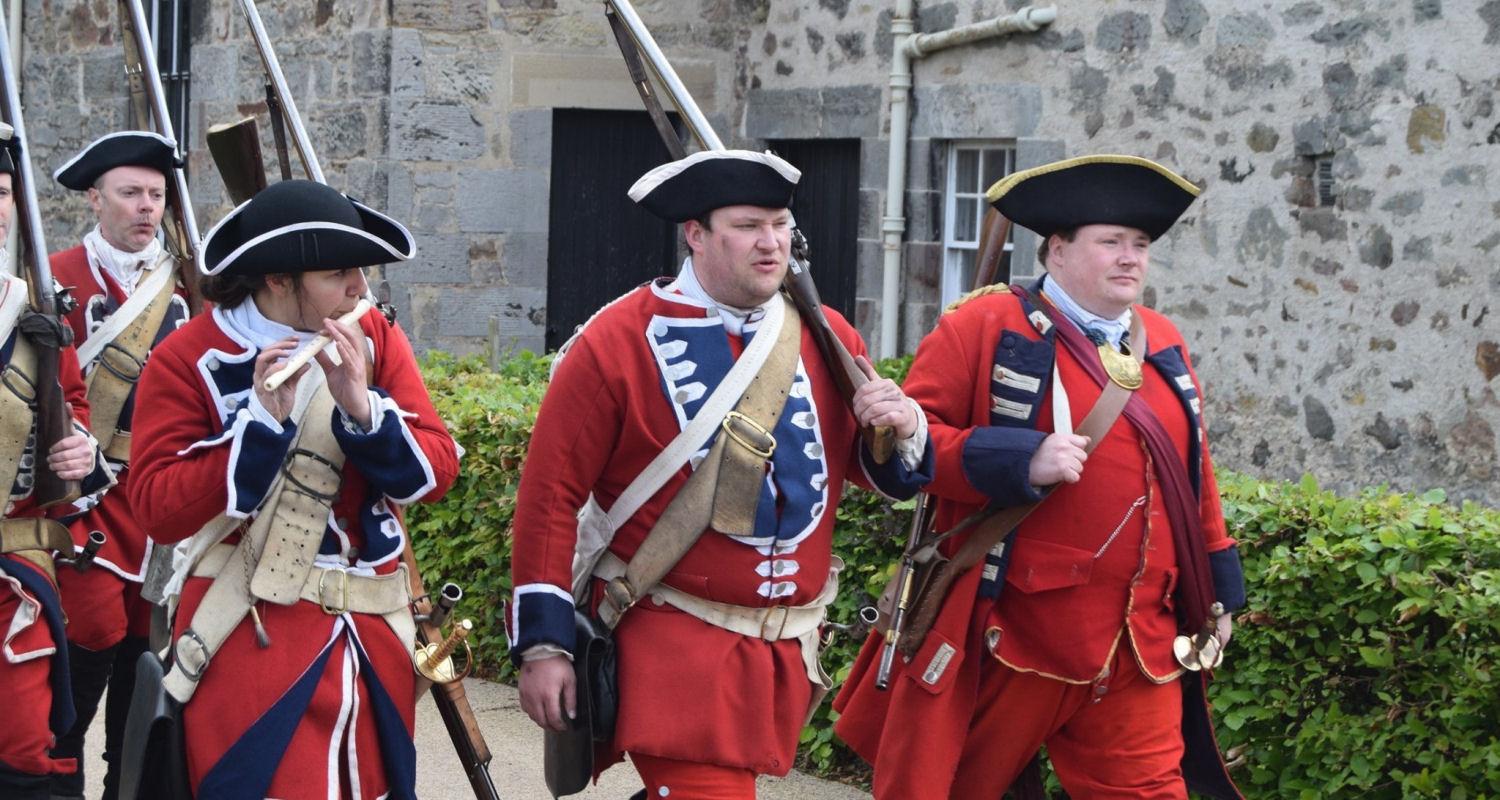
[[995, 231], [148, 102], [54, 420], [635, 42], [449, 696]]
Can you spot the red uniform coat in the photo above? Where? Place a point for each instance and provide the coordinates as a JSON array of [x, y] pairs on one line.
[[203, 447], [1073, 595], [105, 610], [32, 656], [627, 386]]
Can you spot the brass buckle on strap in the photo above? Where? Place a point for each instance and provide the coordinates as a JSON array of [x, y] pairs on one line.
[[341, 592], [731, 422], [619, 594], [775, 618]]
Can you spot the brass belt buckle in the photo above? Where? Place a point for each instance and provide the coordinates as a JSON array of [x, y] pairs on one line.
[[775, 618], [729, 427], [341, 590]]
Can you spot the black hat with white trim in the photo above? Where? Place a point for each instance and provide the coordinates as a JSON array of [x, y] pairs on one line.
[[120, 149], [690, 187], [303, 226], [1094, 190]]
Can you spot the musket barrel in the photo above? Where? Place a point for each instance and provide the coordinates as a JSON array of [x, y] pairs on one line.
[[157, 97], [278, 79], [663, 68], [31, 221]]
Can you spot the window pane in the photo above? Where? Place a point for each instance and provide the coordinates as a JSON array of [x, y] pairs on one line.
[[965, 219], [995, 167], [965, 271], [968, 171]]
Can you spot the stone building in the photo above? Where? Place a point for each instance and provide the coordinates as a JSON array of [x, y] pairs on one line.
[[1335, 279]]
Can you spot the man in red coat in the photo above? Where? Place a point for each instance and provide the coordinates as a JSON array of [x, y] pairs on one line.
[[33, 666], [124, 176], [704, 706], [1064, 636]]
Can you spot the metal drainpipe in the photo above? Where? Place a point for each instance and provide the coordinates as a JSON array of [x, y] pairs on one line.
[[908, 45]]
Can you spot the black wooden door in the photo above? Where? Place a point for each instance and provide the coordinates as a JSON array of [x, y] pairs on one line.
[[600, 245], [827, 209]]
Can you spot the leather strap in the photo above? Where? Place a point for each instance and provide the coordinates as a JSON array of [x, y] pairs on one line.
[[35, 539], [991, 527], [697, 505], [118, 361]]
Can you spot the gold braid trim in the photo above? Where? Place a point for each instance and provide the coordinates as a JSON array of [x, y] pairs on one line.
[[994, 288]]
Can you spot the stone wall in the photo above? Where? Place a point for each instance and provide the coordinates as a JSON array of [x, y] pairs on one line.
[[1335, 280], [1352, 337]]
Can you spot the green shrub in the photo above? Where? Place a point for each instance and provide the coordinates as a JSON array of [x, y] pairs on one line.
[[1364, 663]]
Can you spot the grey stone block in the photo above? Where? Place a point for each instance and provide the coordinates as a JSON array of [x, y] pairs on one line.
[[522, 313], [1124, 31], [1184, 20], [992, 111], [523, 260], [406, 64], [531, 138], [441, 258], [442, 15], [874, 162], [503, 201], [371, 64], [442, 131], [845, 112]]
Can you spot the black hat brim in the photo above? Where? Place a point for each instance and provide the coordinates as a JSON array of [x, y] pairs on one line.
[[275, 233], [120, 149], [693, 186], [1094, 190]]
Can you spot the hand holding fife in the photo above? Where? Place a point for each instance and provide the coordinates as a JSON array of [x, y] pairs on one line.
[[278, 401], [1059, 459], [348, 381], [881, 402], [72, 458], [549, 692]]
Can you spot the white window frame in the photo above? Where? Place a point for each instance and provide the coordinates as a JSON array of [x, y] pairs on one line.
[[957, 250]]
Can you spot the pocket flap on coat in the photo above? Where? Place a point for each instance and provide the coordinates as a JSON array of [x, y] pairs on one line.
[[1039, 566]]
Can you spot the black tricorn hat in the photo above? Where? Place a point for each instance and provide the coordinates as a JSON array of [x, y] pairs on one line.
[[690, 187], [119, 149], [1094, 190], [303, 226]]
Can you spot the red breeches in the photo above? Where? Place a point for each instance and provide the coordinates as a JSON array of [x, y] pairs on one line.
[[1117, 738]]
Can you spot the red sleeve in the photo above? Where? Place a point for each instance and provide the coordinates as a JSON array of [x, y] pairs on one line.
[[941, 380], [75, 391], [576, 430], [397, 373], [174, 493]]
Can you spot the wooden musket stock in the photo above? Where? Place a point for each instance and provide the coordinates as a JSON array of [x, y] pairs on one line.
[[54, 419]]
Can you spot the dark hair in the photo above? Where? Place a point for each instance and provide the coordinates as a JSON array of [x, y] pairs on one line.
[[229, 290], [1066, 234], [704, 220]]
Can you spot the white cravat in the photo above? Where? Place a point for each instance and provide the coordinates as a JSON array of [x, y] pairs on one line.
[[1113, 329], [260, 330], [126, 268], [735, 319]]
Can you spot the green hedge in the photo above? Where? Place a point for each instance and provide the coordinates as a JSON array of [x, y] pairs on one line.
[[1363, 665]]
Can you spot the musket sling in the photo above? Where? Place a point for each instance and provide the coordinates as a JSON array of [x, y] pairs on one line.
[[287, 533], [34, 539], [120, 361]]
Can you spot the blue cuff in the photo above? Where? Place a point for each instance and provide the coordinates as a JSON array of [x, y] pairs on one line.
[[1229, 579], [387, 455], [997, 461], [540, 614], [892, 478], [255, 460]]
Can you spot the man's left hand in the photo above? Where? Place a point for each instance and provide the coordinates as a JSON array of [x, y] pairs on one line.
[[1223, 629], [881, 402]]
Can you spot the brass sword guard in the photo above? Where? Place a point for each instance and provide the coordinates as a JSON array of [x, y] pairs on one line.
[[434, 660]]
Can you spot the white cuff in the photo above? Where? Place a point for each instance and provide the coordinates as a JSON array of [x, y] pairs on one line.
[[912, 447], [259, 413], [537, 652]]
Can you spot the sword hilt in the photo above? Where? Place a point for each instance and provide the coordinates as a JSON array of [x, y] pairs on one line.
[[434, 660]]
